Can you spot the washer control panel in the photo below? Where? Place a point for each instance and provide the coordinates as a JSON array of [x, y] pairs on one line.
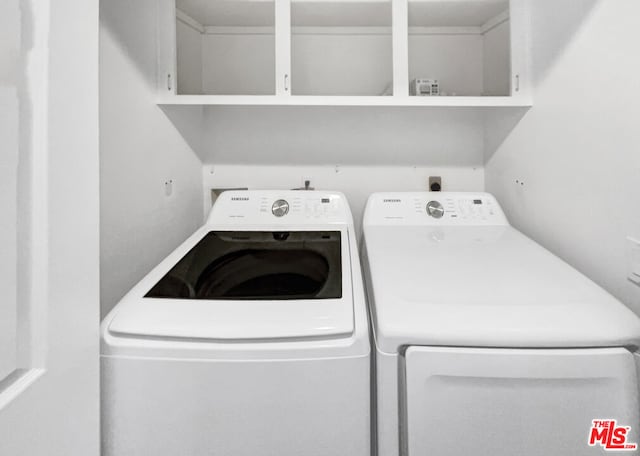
[[434, 208], [287, 206]]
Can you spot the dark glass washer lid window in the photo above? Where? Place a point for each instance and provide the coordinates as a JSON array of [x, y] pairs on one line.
[[257, 265]]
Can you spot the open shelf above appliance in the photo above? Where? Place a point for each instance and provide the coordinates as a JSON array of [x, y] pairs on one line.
[[475, 53]]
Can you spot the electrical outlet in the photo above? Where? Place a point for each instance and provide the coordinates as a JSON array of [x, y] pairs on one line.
[[168, 187], [633, 249]]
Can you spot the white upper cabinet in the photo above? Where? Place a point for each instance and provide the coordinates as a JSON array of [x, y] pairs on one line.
[[350, 52]]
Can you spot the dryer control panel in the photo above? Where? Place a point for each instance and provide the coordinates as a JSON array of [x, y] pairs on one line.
[[434, 208], [286, 207]]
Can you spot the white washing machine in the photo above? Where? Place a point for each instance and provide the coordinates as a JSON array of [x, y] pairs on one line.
[[486, 343], [251, 338]]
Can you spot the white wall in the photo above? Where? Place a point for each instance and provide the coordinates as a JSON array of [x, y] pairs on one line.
[[141, 148], [568, 174], [375, 149], [341, 64], [238, 64], [343, 135]]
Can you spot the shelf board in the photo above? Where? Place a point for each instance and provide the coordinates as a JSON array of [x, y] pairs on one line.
[[305, 100]]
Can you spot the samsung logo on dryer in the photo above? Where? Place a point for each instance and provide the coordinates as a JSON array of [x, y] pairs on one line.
[[392, 200], [240, 198]]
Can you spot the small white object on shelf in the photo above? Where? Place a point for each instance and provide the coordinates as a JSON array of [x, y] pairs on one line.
[[425, 87]]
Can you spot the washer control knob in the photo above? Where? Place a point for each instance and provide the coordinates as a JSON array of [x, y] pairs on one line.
[[280, 208], [435, 209]]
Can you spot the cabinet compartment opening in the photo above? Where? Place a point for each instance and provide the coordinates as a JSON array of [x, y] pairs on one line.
[[341, 48], [459, 48], [225, 47]]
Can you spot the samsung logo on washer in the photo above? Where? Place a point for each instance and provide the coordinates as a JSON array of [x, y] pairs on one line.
[[240, 198], [391, 200]]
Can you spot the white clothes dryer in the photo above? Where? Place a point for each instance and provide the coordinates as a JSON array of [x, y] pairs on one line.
[[486, 343], [250, 338]]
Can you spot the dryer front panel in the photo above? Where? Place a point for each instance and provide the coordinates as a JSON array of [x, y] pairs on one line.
[[460, 401]]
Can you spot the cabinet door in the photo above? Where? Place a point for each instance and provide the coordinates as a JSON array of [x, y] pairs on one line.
[[166, 39], [504, 402], [520, 48], [283, 47]]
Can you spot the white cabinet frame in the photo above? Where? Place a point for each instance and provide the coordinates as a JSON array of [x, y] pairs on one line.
[[167, 75], [519, 21], [400, 46]]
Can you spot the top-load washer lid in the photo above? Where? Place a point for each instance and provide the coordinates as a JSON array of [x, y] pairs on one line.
[[262, 265], [236, 279], [248, 285], [456, 274]]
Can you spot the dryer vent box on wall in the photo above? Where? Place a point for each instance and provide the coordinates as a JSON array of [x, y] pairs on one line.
[[215, 192], [435, 183]]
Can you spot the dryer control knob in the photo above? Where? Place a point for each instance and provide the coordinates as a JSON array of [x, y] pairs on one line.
[[280, 208], [435, 209]]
